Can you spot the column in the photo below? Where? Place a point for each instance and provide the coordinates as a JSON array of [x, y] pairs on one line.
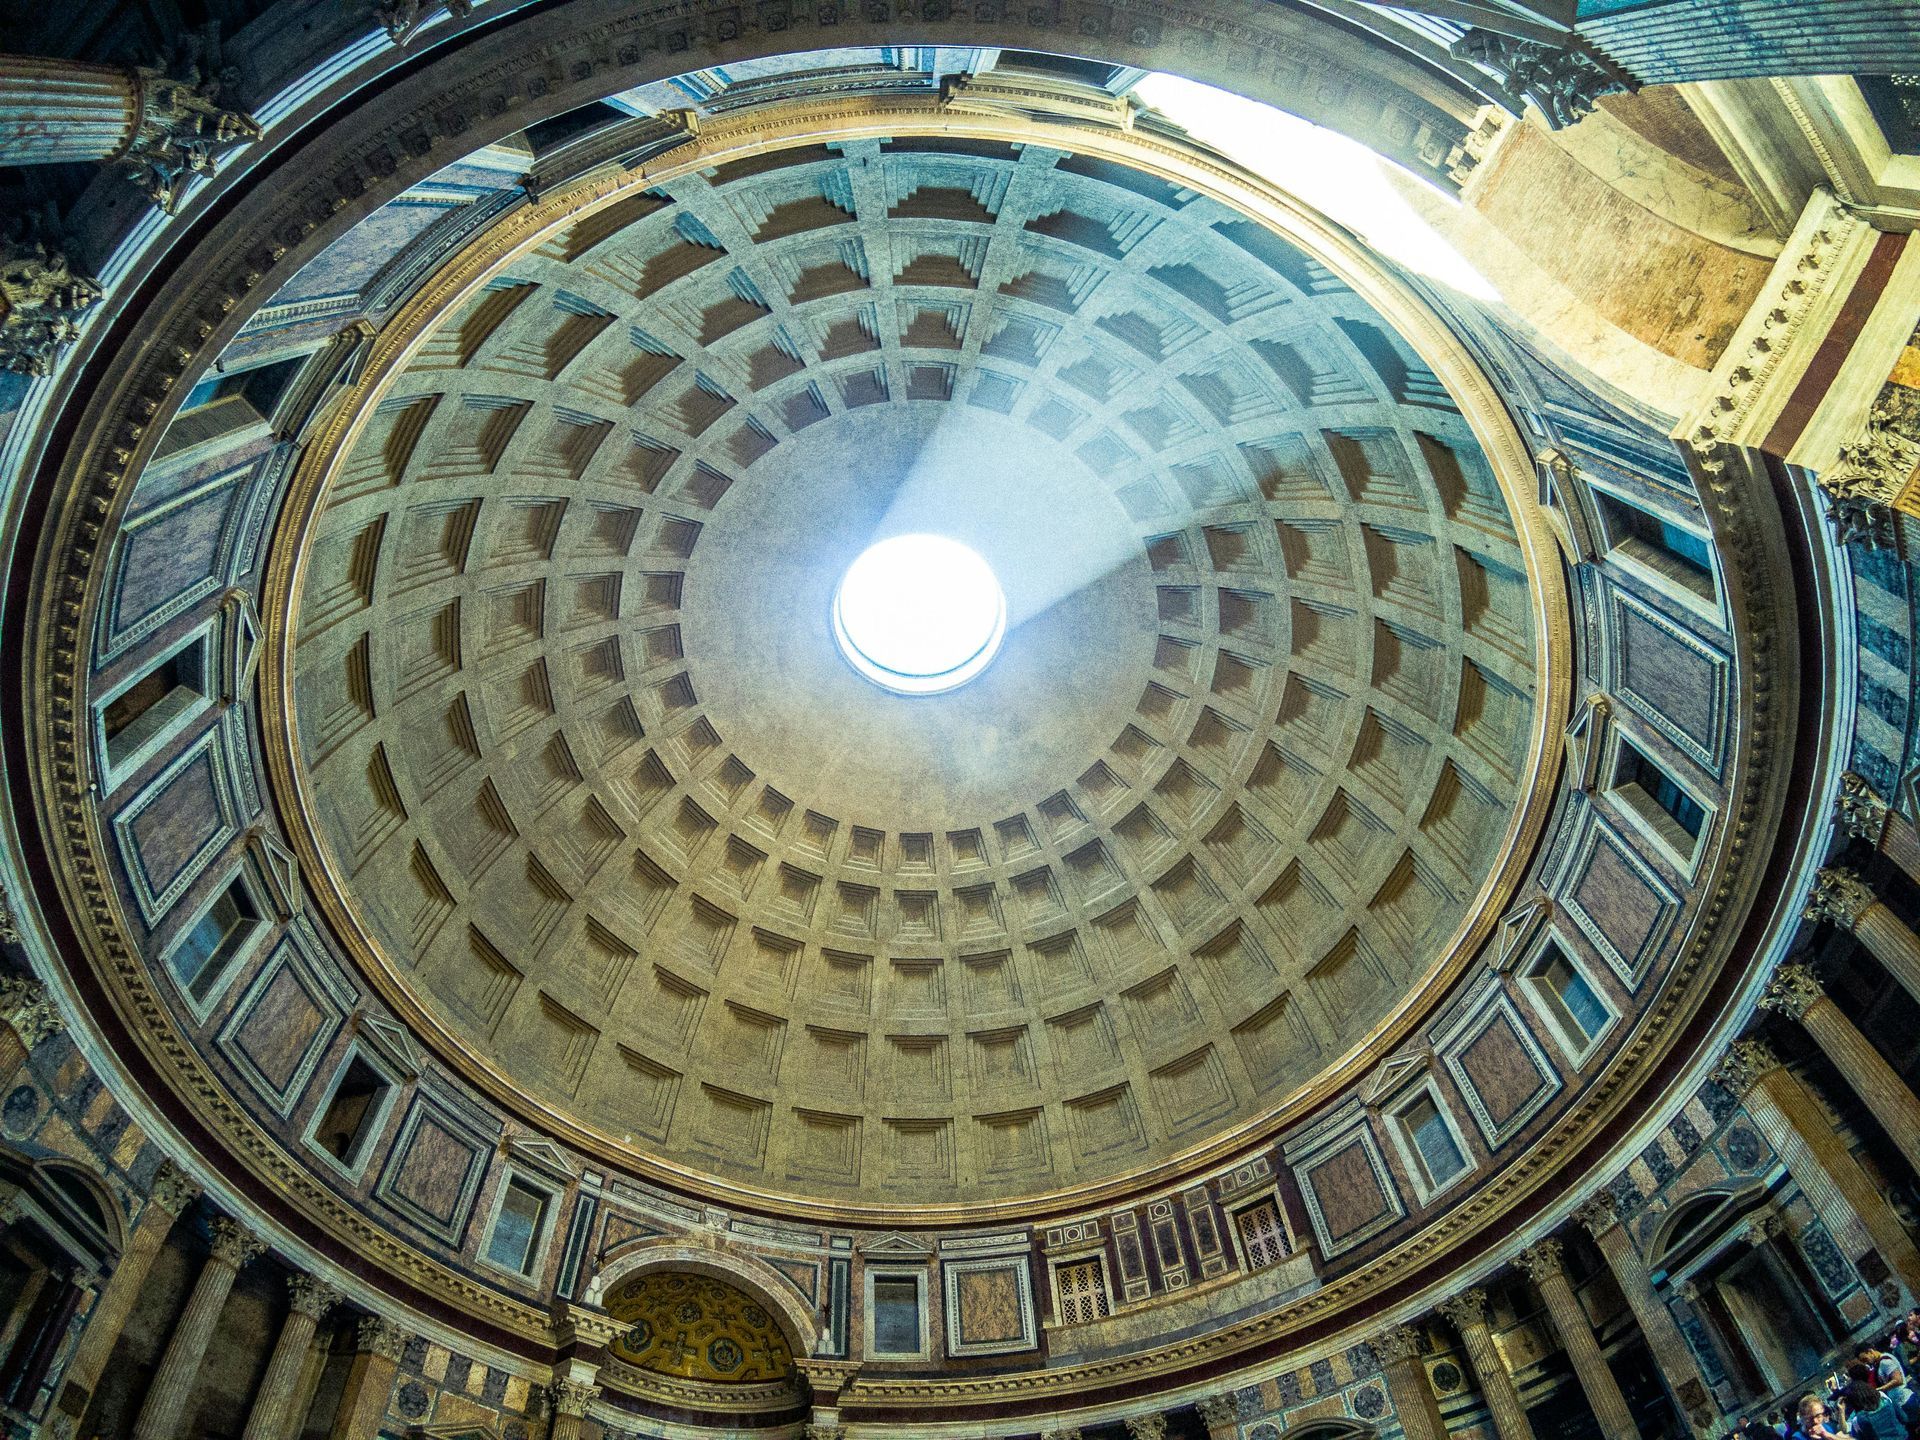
[[29, 1017], [363, 1404], [825, 1380], [570, 1401], [164, 1415], [1842, 898], [1545, 1266], [53, 111], [161, 127], [1468, 1312], [1791, 1121], [1147, 1427], [271, 1418], [172, 1194], [1675, 1361], [312, 1368], [1795, 993], [1398, 1350]]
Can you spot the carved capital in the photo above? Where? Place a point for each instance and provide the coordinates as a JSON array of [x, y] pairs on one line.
[[182, 129], [378, 1335], [572, 1397], [1147, 1427], [173, 1190], [1744, 1063], [1874, 468], [1792, 991], [1764, 1226], [311, 1297], [1466, 1310], [1598, 1214], [40, 297], [1397, 1343], [1564, 84], [1065, 1432], [29, 1009], [1542, 1261], [1840, 897], [1858, 810], [234, 1244], [819, 1431], [1219, 1410]]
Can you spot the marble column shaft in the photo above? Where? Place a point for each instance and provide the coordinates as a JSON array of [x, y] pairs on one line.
[[164, 1414], [1678, 1368], [1544, 1265], [172, 1193], [54, 111], [270, 1418], [1841, 897], [363, 1403], [1792, 1122], [1468, 1312], [1406, 1373]]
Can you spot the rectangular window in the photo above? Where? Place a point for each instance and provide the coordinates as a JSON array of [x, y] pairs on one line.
[[351, 1111], [1673, 550], [1635, 770], [152, 705], [1082, 1287], [896, 1315], [517, 1226], [203, 954], [1433, 1143], [1263, 1239], [1572, 1001]]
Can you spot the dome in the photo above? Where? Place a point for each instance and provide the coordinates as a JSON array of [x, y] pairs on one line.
[[611, 814]]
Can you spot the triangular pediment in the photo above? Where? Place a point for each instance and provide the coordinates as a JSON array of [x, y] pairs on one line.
[[895, 1246], [541, 1154], [1396, 1071], [1517, 929], [395, 1044]]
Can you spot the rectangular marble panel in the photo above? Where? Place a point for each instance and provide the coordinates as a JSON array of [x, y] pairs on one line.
[[989, 1306], [1617, 900], [434, 1170], [280, 1027], [173, 829], [1672, 678], [168, 558]]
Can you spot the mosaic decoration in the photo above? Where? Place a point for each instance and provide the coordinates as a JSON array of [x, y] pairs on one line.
[[694, 1327]]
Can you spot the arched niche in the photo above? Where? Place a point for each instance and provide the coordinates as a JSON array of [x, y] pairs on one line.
[[749, 1273]]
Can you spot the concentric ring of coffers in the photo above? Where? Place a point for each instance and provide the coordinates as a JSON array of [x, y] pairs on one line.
[[1235, 790]]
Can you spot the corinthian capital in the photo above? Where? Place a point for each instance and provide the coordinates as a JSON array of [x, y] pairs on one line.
[[311, 1297], [1147, 1427], [1542, 1261], [1744, 1063], [1466, 1310], [234, 1244], [1840, 897], [1396, 1343], [1598, 1214], [1563, 83], [173, 1191], [572, 1397], [40, 296], [182, 130], [1873, 468], [1792, 991], [378, 1335], [26, 1006], [1858, 810]]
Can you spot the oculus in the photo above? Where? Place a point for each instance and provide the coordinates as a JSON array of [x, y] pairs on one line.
[[919, 614]]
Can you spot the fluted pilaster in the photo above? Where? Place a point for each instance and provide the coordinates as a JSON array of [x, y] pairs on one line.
[[172, 1194], [1545, 1266], [164, 1414], [1678, 1368], [570, 1399], [1468, 1312], [271, 1418], [1791, 1121], [1398, 1350], [363, 1404]]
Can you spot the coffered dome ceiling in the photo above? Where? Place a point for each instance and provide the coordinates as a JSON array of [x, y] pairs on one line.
[[615, 821]]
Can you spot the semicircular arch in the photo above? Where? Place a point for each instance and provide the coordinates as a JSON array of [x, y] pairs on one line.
[[796, 1320]]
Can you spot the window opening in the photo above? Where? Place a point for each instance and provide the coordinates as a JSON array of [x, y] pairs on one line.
[[896, 1315], [1433, 1142], [344, 1125], [1083, 1292], [208, 948], [1263, 1239], [516, 1227]]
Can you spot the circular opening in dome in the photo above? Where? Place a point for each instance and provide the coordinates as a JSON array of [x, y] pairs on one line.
[[919, 614]]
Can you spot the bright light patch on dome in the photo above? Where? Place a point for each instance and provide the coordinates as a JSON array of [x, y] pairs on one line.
[[919, 614]]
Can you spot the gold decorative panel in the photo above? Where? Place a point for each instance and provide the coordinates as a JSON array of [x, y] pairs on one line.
[[694, 1327]]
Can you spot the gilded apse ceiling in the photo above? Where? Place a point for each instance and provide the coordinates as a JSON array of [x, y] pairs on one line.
[[614, 812]]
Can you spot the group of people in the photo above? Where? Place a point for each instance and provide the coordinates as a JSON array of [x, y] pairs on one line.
[[1869, 1400]]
